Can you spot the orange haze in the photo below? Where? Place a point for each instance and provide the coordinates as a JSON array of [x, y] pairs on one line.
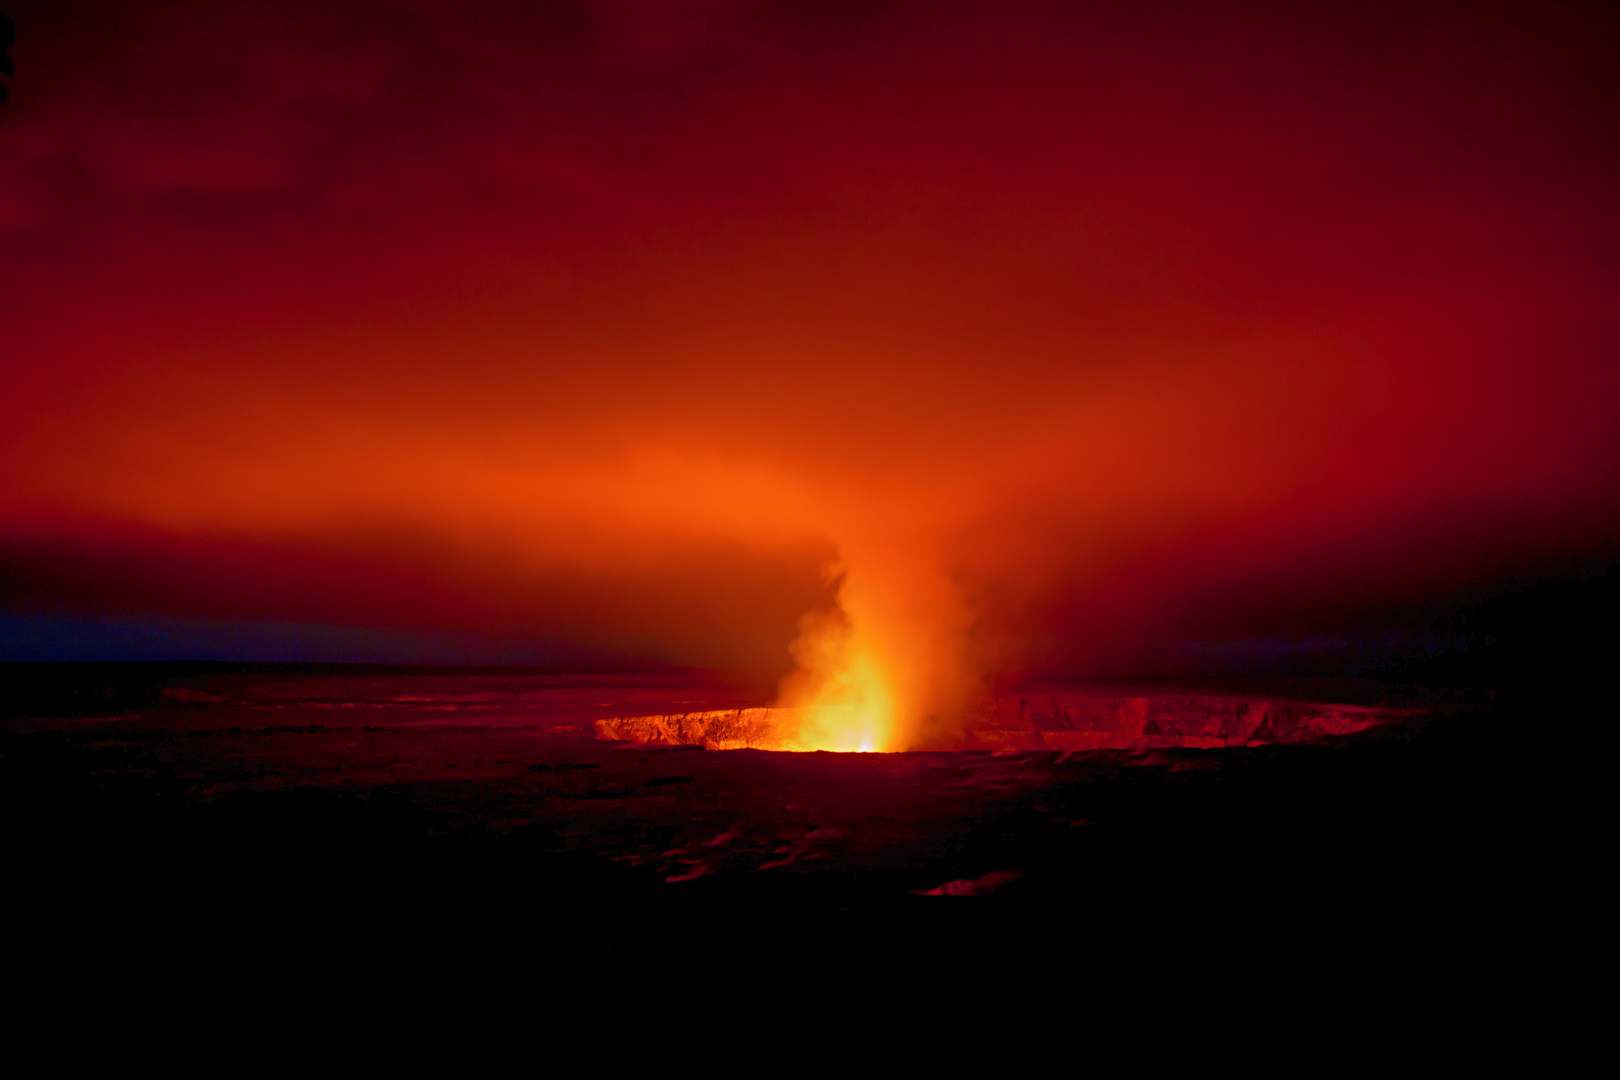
[[919, 343]]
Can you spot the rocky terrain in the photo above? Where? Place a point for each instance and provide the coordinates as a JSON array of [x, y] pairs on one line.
[[429, 825]]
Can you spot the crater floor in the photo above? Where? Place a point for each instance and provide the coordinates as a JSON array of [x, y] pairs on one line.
[[409, 821]]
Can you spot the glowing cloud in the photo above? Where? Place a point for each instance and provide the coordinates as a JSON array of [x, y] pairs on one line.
[[1051, 332]]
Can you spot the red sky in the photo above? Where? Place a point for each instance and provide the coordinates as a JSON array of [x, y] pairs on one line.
[[613, 326]]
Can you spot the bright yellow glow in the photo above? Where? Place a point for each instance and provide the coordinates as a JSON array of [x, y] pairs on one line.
[[853, 709], [844, 697]]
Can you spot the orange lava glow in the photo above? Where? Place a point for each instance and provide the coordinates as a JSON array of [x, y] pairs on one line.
[[853, 706]]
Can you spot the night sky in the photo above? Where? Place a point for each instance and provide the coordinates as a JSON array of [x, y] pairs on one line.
[[1002, 336]]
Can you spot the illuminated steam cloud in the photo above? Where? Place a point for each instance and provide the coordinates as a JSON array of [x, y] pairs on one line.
[[1048, 333]]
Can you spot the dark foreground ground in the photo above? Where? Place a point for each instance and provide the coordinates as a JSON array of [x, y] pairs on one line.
[[434, 829]]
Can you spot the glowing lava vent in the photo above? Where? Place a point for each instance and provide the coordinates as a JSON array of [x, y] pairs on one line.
[[1066, 721]]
